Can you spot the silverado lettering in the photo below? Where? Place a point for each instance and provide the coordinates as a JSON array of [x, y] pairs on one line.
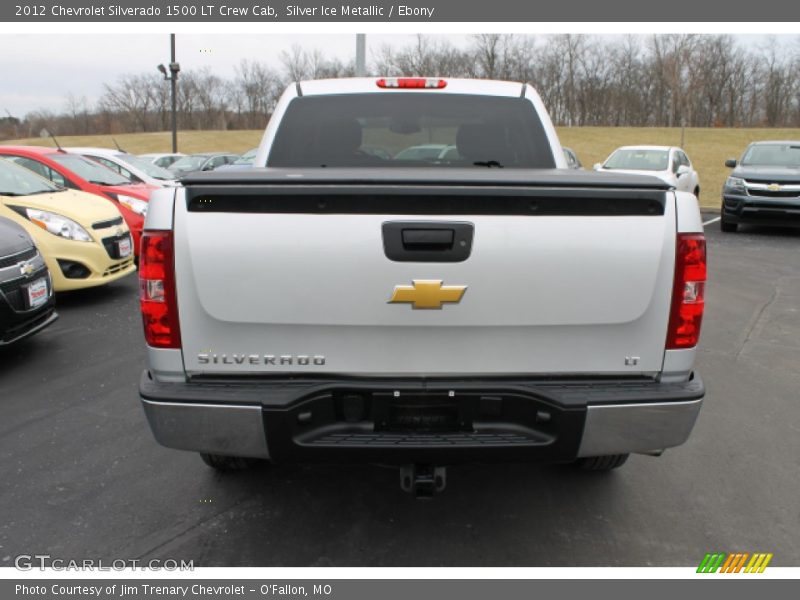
[[259, 359]]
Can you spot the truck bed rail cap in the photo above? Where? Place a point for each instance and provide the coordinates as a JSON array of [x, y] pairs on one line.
[[566, 178]]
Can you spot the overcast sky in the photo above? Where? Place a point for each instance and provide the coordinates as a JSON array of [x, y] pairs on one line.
[[40, 71]]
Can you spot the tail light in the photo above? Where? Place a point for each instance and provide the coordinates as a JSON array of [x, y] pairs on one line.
[[411, 83], [157, 296], [688, 293]]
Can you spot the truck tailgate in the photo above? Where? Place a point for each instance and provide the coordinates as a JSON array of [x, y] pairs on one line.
[[276, 278]]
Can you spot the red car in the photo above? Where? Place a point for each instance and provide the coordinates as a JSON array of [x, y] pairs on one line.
[[78, 173]]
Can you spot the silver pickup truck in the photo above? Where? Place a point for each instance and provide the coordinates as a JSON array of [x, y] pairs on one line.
[[411, 276]]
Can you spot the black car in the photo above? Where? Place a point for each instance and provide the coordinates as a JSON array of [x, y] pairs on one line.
[[27, 303], [764, 187]]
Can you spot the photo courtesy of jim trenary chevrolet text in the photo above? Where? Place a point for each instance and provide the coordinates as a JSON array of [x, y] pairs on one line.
[[433, 298]]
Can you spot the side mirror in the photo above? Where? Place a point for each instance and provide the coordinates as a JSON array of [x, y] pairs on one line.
[[597, 166], [731, 163], [682, 170]]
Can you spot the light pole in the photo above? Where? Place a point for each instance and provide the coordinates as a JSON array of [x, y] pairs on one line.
[[361, 55], [174, 69]]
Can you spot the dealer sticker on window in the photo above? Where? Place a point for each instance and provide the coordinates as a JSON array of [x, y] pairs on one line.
[[124, 247], [37, 293]]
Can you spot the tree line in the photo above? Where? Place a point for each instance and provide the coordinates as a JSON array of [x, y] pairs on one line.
[[660, 80]]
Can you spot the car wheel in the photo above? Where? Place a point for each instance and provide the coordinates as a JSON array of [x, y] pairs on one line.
[[727, 226], [602, 463], [697, 192], [229, 463]]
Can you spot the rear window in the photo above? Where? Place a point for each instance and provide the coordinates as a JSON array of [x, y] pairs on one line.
[[151, 169], [89, 170], [409, 130], [638, 160]]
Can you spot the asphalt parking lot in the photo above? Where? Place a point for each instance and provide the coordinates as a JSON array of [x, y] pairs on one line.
[[82, 477]]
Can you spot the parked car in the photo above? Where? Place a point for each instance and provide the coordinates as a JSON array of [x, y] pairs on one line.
[[82, 237], [27, 302], [162, 160], [428, 152], [136, 169], [432, 315], [245, 161], [207, 161], [666, 162], [573, 162], [764, 186], [78, 173], [377, 152]]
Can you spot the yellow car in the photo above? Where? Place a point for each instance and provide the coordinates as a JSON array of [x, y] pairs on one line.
[[82, 237]]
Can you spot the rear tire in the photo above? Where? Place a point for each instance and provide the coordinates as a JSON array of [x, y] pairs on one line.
[[229, 463], [602, 463], [697, 193]]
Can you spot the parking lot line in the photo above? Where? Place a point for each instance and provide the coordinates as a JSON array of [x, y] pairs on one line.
[[709, 222]]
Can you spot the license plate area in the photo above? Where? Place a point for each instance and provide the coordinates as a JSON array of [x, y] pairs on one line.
[[37, 293], [419, 412], [118, 247], [124, 247]]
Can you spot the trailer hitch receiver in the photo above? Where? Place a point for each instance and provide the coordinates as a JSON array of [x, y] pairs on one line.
[[423, 481]]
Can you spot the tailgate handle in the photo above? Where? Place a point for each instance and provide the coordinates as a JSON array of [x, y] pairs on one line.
[[427, 241]]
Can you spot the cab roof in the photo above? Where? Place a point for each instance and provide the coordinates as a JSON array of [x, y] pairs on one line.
[[776, 142], [95, 150], [645, 147], [30, 149], [363, 85]]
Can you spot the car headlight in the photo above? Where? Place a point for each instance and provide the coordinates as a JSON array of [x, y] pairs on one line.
[[135, 204], [56, 224], [735, 184]]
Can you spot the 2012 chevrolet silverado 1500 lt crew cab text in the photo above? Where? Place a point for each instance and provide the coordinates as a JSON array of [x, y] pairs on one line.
[[348, 301]]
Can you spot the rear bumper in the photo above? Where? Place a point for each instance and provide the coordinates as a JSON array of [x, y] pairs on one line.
[[16, 329], [759, 210], [407, 421]]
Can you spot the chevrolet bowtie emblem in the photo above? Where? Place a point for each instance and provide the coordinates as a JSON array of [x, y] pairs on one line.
[[26, 269], [774, 187], [427, 293]]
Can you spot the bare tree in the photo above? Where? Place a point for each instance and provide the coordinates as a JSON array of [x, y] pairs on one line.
[[778, 87], [666, 80], [425, 57], [257, 88], [78, 109], [299, 64], [131, 99]]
